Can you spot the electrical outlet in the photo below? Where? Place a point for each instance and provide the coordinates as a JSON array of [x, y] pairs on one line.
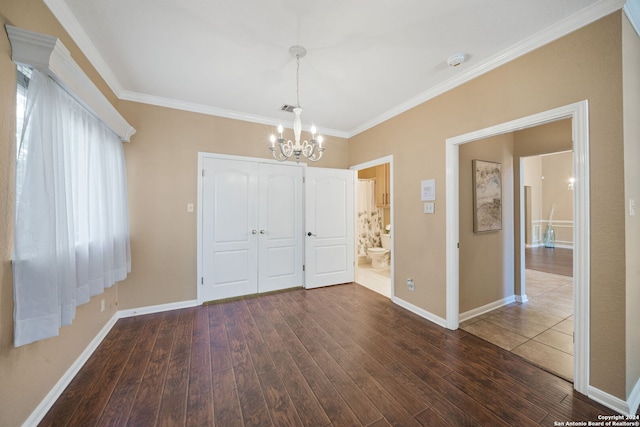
[[102, 305], [410, 284]]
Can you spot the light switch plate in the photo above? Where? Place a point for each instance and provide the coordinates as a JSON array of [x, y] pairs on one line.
[[429, 207], [189, 207]]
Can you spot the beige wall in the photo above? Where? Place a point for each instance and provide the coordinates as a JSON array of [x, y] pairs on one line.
[[631, 82], [487, 275], [583, 65], [162, 160], [162, 176]]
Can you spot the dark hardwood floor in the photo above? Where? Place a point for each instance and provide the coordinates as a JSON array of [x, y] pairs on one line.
[[550, 260], [336, 356]]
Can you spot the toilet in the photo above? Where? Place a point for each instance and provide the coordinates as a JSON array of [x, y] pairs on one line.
[[380, 256]]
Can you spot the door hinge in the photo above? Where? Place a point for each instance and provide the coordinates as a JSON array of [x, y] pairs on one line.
[[303, 267], [304, 179], [458, 245], [202, 280], [202, 172]]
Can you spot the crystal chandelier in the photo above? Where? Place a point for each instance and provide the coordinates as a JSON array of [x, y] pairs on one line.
[[286, 148]]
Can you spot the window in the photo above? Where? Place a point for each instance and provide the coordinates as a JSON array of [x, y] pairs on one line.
[[71, 225]]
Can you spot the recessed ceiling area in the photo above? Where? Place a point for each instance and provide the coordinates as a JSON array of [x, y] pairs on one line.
[[366, 60]]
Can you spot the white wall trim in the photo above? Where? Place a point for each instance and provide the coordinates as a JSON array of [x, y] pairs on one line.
[[160, 308], [634, 398], [41, 410], [632, 10], [627, 408], [420, 312], [51, 57], [222, 112], [522, 298], [486, 308], [579, 114]]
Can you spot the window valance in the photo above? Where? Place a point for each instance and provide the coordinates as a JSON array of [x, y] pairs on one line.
[[48, 55]]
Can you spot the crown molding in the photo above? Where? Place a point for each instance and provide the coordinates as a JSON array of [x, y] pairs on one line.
[[548, 35], [632, 10], [220, 112], [68, 20], [51, 57]]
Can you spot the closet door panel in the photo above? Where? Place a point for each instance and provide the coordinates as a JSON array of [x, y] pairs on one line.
[[281, 232], [229, 229]]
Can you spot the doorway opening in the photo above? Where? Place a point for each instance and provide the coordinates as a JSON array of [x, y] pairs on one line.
[[578, 113], [539, 325], [374, 225]]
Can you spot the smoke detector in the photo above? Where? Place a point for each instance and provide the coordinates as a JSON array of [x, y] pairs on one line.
[[455, 60]]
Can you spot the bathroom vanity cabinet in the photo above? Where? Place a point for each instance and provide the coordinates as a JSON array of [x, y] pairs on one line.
[[383, 193]]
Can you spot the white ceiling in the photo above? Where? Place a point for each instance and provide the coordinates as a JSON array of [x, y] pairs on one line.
[[367, 60]]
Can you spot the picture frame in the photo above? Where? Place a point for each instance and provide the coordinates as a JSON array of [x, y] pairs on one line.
[[487, 196]]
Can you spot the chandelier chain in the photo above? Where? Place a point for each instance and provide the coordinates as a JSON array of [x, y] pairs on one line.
[[298, 80]]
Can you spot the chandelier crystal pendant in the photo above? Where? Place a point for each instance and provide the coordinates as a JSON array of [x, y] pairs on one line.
[[311, 149]]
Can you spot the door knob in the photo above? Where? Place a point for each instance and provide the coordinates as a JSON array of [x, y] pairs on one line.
[[310, 234], [262, 231], [254, 231]]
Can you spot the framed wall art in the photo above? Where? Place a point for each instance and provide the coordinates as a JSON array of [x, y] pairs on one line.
[[487, 196]]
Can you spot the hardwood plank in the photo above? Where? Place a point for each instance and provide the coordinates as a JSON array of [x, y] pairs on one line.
[[220, 353], [225, 400], [200, 393], [362, 407], [512, 410], [430, 418], [336, 409], [252, 402], [383, 400], [260, 355], [119, 406], [283, 412], [148, 397]]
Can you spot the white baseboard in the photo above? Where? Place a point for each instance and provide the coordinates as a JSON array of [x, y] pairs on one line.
[[157, 308], [561, 245], [53, 395], [486, 308], [522, 298], [634, 398], [627, 408], [420, 312]]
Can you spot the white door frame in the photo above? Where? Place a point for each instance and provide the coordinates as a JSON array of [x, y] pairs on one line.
[[366, 165], [579, 113]]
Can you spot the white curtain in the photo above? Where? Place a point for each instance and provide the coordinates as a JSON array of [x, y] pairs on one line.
[[72, 222], [369, 216]]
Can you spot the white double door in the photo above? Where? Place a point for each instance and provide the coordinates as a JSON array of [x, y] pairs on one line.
[[253, 238], [252, 231]]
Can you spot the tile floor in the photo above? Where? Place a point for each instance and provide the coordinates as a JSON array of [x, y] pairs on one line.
[[378, 280], [540, 330]]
